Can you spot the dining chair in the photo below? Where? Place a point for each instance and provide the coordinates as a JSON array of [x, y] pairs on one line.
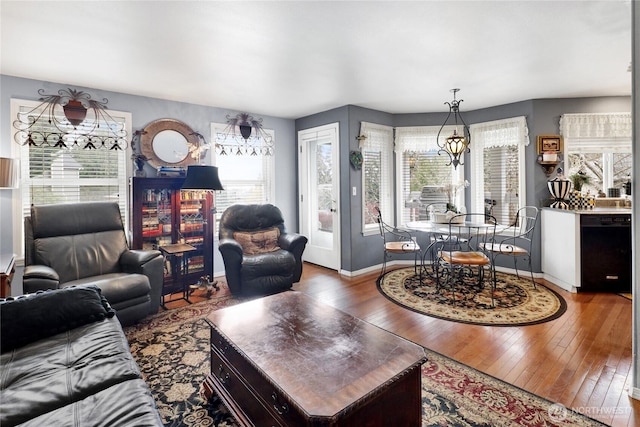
[[520, 240], [396, 241], [462, 262]]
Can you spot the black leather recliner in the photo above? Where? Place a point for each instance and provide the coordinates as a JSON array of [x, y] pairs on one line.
[[85, 243], [260, 257]]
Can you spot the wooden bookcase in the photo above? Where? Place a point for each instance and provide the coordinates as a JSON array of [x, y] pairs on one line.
[[163, 215]]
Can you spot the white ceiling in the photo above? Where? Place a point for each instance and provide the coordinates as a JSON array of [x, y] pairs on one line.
[[293, 58]]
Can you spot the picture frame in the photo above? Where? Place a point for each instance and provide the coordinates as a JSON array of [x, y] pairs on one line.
[[549, 144]]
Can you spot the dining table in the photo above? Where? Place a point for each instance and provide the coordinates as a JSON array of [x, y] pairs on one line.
[[440, 233]]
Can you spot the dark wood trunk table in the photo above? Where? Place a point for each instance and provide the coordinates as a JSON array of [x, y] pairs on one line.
[[287, 359]]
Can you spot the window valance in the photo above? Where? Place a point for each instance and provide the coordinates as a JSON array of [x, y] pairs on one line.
[[500, 133], [377, 136], [597, 132], [596, 125], [419, 138]]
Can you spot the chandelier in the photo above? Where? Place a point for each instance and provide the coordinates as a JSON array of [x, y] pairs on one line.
[[244, 135], [70, 119], [456, 144]]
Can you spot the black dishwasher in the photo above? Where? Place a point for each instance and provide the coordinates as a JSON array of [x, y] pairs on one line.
[[605, 253]]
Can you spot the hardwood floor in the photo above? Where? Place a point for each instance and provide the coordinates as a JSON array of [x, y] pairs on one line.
[[581, 360]]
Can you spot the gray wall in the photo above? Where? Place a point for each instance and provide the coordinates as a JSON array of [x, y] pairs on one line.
[[358, 252], [543, 115], [144, 110]]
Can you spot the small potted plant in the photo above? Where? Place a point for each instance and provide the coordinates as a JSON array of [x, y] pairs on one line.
[[579, 179]]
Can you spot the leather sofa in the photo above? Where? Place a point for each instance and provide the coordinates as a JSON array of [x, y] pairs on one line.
[[85, 243], [65, 361], [260, 257]]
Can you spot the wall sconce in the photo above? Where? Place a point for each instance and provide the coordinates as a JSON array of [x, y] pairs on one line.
[[61, 121], [244, 135], [456, 144], [8, 173]]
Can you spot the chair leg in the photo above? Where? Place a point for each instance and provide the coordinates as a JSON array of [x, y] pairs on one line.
[[515, 265], [531, 271]]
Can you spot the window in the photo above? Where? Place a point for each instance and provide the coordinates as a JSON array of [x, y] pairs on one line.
[[423, 172], [245, 178], [600, 146], [497, 167], [377, 174], [58, 175]]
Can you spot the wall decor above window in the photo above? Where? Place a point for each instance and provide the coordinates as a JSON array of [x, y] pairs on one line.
[[244, 135], [69, 119]]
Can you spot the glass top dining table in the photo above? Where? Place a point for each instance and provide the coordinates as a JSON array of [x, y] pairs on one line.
[[439, 232]]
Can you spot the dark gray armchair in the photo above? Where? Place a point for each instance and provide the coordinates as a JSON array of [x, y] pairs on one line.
[[260, 257], [85, 243]]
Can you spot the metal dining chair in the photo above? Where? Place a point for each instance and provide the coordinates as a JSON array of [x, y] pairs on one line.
[[519, 243], [462, 266], [396, 241]]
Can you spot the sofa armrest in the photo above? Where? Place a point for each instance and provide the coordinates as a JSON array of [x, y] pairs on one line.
[[151, 264], [294, 243], [28, 318], [39, 278], [132, 260], [232, 256]]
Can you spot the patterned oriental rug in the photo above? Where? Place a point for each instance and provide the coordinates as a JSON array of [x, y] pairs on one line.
[[516, 302], [172, 350]]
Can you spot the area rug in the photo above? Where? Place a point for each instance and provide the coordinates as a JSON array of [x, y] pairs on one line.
[[172, 350], [516, 302]]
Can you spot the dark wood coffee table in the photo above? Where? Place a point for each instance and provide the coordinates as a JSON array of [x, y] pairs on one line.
[[287, 359]]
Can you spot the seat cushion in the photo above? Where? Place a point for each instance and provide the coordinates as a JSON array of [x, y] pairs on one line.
[[56, 371], [465, 258], [118, 287], [124, 404], [278, 263]]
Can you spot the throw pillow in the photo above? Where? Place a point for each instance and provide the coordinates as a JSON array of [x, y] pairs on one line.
[[31, 317], [258, 242]]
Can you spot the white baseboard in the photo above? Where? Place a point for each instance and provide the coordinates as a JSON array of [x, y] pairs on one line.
[[634, 392]]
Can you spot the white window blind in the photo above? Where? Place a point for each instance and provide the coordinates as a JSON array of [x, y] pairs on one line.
[[598, 144], [377, 174], [51, 175], [422, 172], [246, 179], [497, 167]]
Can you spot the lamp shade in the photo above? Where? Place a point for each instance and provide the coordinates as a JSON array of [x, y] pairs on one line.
[[202, 178], [8, 173]]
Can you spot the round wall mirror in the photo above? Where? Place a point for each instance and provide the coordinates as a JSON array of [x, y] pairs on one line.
[[168, 142]]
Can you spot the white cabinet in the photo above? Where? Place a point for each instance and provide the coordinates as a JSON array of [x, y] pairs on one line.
[[560, 247]]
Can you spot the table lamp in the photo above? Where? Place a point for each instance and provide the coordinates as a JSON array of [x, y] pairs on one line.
[[201, 177]]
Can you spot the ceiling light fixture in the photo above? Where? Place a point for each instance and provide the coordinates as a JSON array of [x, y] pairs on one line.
[[244, 135], [61, 121], [456, 144]]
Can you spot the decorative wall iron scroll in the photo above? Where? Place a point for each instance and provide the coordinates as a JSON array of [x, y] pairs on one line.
[[61, 121], [244, 135]]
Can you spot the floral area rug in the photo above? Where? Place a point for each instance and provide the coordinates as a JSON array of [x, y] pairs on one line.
[[516, 302], [172, 350]]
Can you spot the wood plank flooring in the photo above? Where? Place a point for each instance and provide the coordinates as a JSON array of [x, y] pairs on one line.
[[581, 360]]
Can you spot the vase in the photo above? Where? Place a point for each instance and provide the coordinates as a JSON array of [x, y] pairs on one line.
[[559, 189]]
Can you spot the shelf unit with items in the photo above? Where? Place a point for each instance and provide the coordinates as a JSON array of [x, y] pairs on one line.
[[164, 215]]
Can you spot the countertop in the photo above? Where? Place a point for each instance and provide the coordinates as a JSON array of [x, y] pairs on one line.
[[595, 211]]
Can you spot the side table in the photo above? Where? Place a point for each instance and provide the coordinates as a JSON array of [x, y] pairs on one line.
[[179, 266], [7, 268]]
